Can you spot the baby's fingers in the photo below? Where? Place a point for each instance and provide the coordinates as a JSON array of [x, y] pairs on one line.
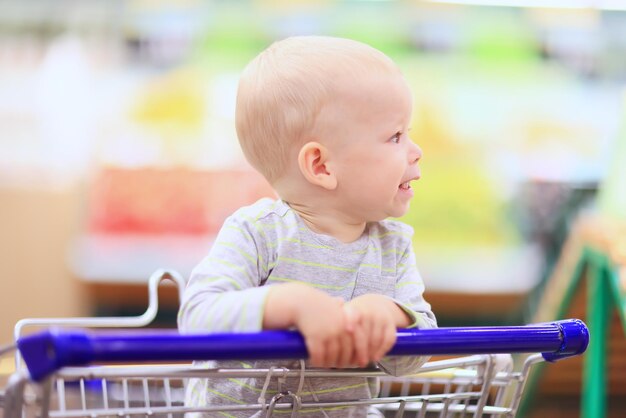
[[352, 318], [332, 352], [388, 340], [316, 352], [377, 336], [361, 346], [346, 353]]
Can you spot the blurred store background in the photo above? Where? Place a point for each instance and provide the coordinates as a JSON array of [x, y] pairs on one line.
[[118, 152]]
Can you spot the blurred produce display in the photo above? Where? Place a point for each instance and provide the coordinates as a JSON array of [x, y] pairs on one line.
[[169, 201]]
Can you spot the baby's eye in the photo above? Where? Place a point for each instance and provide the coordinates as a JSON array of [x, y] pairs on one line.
[[396, 137]]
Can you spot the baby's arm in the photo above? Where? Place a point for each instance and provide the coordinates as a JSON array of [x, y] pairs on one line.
[[224, 293]]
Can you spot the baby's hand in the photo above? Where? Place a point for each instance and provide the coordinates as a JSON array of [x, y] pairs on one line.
[[321, 320], [371, 322]]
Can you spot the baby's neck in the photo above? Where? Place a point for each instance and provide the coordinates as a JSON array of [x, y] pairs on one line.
[[327, 222]]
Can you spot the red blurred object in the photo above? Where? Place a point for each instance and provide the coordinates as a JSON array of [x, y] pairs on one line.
[[170, 201]]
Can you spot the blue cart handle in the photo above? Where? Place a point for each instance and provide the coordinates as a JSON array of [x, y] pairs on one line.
[[48, 351]]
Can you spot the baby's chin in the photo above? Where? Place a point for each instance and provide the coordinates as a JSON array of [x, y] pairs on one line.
[[400, 211], [395, 213]]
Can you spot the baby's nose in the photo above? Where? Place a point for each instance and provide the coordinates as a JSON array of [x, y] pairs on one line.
[[415, 153]]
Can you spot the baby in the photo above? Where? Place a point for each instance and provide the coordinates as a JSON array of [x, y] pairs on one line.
[[326, 121]]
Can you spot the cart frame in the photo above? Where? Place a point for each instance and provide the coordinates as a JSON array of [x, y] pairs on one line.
[[69, 371]]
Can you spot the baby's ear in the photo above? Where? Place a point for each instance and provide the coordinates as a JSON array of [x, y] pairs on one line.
[[313, 163]]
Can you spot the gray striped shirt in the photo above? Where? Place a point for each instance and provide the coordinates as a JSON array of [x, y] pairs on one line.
[[267, 243]]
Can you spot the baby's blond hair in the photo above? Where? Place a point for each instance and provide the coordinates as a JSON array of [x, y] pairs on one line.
[[283, 89]]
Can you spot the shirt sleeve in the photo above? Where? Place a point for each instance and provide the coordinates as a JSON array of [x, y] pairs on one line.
[[409, 297], [224, 292]]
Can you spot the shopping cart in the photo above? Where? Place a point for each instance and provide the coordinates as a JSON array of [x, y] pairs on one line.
[[87, 373]]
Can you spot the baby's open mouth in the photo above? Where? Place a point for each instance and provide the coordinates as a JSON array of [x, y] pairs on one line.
[[405, 186]]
